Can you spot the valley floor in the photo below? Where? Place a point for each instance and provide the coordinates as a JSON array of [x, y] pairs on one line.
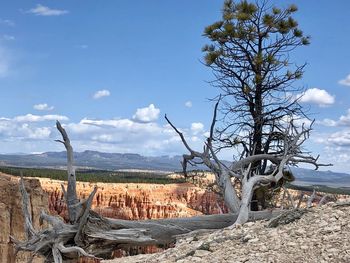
[[321, 235]]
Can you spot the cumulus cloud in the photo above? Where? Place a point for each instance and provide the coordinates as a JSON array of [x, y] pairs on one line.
[[101, 93], [346, 81], [188, 104], [344, 120], [147, 114], [43, 107], [197, 127], [317, 96], [36, 133], [39, 118], [298, 121], [11, 129], [128, 135], [327, 122], [41, 10], [341, 138]]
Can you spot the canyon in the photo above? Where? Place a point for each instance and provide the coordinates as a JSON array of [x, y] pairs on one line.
[[133, 201], [129, 201]]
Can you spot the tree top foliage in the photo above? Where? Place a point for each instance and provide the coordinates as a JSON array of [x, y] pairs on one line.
[[249, 54], [255, 23]]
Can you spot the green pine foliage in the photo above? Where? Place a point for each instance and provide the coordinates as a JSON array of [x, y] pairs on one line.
[[246, 21], [94, 175]]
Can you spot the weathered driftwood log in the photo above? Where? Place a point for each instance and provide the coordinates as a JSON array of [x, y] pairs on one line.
[[99, 236], [287, 217], [88, 234]]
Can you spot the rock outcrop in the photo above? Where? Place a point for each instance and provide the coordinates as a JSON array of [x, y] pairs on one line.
[[125, 201], [139, 201], [11, 215], [321, 235]]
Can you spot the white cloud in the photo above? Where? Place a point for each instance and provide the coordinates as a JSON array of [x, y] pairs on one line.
[[38, 118], [7, 22], [346, 81], [298, 121], [317, 96], [36, 133], [327, 122], [8, 37], [188, 104], [197, 127], [126, 135], [341, 138], [147, 114], [43, 107], [101, 93], [41, 10], [13, 130], [344, 120]]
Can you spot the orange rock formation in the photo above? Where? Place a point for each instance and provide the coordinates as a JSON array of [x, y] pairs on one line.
[[125, 201], [11, 215], [139, 201]]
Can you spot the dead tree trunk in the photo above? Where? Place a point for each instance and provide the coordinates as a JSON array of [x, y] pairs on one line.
[[90, 235], [289, 153]]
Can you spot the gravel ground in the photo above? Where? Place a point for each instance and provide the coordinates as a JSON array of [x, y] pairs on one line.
[[321, 235]]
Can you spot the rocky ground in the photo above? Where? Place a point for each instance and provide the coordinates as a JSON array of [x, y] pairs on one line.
[[321, 235]]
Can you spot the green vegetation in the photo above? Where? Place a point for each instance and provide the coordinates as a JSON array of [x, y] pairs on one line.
[[105, 176], [94, 175]]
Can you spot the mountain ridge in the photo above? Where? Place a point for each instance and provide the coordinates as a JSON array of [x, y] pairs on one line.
[[124, 161]]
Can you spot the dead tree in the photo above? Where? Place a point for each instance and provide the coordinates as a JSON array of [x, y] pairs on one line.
[[288, 151], [90, 235], [249, 55]]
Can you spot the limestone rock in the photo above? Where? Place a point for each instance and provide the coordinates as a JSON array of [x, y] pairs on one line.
[[134, 201], [11, 216]]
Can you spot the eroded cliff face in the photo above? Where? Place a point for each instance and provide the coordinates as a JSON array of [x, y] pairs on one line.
[[11, 215], [138, 201], [125, 201]]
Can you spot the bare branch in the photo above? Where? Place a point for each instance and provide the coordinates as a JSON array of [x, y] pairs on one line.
[[75, 249], [64, 192], [84, 217], [323, 200], [311, 199], [28, 225], [71, 188]]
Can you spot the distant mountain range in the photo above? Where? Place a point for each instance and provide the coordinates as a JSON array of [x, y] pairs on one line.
[[93, 159], [328, 178], [119, 161]]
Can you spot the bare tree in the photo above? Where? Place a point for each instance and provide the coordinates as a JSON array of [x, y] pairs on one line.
[[242, 169], [257, 113]]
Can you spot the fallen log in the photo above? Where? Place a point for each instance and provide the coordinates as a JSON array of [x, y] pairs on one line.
[[90, 235], [100, 236]]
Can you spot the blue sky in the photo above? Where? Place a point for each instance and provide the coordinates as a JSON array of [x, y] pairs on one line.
[[110, 70]]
